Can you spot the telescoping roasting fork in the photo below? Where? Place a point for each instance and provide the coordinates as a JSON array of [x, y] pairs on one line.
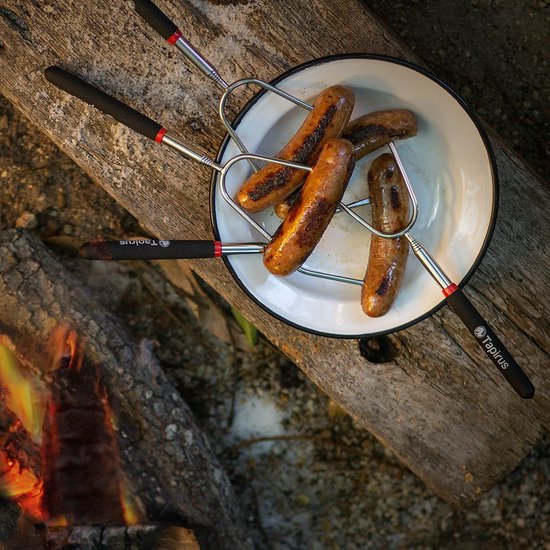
[[454, 296]]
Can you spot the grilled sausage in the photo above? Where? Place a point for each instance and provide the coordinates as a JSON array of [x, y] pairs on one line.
[[281, 208], [310, 215], [368, 133], [373, 130], [273, 182], [387, 257]]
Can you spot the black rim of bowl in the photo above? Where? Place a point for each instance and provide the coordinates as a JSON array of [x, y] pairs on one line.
[[461, 102]]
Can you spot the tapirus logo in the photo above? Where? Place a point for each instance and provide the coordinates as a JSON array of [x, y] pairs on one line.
[[139, 242], [480, 333], [147, 242]]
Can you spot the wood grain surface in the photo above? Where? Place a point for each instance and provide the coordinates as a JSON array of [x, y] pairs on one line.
[[441, 406]]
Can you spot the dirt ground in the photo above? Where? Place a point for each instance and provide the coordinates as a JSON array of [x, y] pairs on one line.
[[319, 481], [494, 53]]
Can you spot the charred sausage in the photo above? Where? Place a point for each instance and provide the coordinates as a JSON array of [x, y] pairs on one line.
[[387, 257], [273, 182], [310, 215], [368, 133], [374, 130]]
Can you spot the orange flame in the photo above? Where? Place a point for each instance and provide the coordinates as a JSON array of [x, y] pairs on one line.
[[26, 398], [23, 398], [21, 485], [71, 342], [132, 508], [60, 521], [64, 344]]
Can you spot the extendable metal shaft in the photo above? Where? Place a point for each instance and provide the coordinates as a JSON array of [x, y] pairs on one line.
[[428, 262]]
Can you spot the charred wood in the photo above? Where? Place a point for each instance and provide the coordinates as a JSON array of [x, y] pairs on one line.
[[138, 537], [80, 467]]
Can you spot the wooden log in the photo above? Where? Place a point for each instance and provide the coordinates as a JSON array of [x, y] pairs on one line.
[[440, 406], [17, 531], [165, 456], [137, 537], [80, 464]]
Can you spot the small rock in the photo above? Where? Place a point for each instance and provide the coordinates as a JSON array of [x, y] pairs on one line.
[[171, 430], [188, 436], [27, 220], [159, 408]]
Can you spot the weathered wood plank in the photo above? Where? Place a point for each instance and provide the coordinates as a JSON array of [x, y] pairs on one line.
[[440, 406]]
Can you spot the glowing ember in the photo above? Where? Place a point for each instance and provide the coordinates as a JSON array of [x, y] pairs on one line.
[[21, 485], [23, 399]]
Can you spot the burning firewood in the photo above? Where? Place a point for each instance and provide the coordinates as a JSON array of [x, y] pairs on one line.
[[79, 480], [80, 459], [165, 456], [20, 417]]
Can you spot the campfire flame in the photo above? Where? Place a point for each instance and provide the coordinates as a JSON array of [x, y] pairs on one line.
[[21, 485], [64, 347], [19, 481], [132, 508], [23, 398], [80, 480]]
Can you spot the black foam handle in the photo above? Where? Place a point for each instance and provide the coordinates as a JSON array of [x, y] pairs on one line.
[[154, 16], [148, 249], [491, 344], [75, 86]]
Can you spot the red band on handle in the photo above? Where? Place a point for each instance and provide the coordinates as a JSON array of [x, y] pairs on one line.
[[217, 249], [160, 135], [449, 290], [174, 38]]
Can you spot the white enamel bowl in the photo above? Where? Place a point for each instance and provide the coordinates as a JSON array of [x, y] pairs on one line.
[[450, 166]]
